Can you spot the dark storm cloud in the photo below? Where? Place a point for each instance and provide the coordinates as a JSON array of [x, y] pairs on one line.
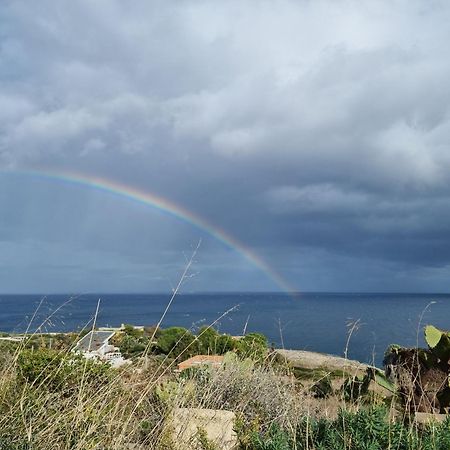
[[316, 132]]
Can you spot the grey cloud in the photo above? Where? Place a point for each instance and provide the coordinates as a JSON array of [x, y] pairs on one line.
[[318, 129], [316, 198]]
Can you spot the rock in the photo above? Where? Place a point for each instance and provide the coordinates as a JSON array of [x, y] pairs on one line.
[[426, 418], [314, 360], [189, 427]]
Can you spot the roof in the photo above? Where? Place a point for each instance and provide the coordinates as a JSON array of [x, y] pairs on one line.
[[94, 340], [198, 360]]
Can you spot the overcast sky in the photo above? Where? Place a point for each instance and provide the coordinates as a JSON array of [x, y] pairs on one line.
[[315, 132]]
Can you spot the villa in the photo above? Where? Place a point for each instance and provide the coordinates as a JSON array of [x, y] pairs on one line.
[[95, 345]]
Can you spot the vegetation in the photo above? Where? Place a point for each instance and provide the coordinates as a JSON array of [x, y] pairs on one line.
[[59, 372], [176, 341], [210, 342], [52, 398], [422, 375], [365, 429], [252, 345]]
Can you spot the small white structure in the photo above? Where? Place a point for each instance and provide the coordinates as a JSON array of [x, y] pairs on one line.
[[95, 345]]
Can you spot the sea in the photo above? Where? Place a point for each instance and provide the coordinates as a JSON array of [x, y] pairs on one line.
[[361, 325]]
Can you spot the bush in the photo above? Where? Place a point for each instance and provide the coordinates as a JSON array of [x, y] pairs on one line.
[[252, 345], [209, 341], [174, 341], [274, 439], [133, 341], [366, 429], [130, 330], [369, 429], [255, 393], [58, 371], [131, 346]]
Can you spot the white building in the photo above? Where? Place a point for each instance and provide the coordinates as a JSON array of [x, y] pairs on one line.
[[95, 345]]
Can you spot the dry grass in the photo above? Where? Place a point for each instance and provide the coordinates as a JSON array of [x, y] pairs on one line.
[[129, 406], [67, 403]]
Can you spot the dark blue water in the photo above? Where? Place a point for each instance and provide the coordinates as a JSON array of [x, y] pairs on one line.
[[313, 321]]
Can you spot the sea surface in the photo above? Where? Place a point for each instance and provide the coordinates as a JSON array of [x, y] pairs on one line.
[[365, 324]]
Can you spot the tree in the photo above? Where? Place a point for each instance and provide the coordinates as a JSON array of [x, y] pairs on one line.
[[175, 341], [211, 342]]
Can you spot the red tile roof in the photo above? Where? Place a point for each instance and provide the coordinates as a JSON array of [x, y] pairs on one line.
[[198, 360]]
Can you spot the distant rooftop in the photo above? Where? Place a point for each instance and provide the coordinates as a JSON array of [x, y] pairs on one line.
[[198, 360], [94, 340]]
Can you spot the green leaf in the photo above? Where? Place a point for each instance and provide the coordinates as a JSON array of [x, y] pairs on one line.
[[432, 336]]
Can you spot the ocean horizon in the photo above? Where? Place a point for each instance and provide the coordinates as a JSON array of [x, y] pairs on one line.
[[329, 322]]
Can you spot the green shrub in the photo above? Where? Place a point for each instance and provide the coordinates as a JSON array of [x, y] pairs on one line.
[[366, 429], [201, 374], [131, 346], [274, 439], [252, 345], [369, 429], [130, 330], [210, 342], [175, 341], [58, 371]]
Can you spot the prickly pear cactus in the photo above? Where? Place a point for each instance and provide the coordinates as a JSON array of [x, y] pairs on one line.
[[422, 375], [432, 336], [439, 342]]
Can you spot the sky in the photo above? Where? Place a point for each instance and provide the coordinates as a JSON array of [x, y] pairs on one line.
[[315, 133]]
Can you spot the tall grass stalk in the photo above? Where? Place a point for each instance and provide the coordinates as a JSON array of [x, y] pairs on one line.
[[68, 403]]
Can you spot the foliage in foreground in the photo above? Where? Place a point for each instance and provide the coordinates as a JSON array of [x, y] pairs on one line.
[[366, 429], [57, 371], [422, 375], [57, 400]]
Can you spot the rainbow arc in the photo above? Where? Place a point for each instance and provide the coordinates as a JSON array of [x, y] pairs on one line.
[[113, 187]]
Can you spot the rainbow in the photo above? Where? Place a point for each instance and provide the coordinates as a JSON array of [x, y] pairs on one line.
[[167, 206]]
